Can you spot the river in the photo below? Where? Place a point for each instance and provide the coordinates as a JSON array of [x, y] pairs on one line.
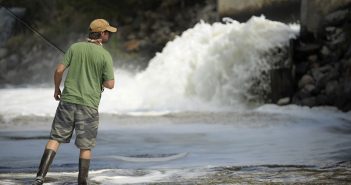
[[189, 118]]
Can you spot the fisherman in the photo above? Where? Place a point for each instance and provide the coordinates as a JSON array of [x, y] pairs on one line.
[[90, 70]]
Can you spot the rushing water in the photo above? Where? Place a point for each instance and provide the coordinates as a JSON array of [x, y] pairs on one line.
[[187, 119]]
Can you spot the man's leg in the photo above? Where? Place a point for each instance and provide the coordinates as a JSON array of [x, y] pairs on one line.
[[52, 145], [46, 160], [84, 162], [86, 125]]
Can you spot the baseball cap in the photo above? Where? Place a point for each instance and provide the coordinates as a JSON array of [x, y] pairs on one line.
[[99, 25]]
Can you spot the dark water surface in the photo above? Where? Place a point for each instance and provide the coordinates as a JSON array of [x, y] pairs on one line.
[[194, 148]]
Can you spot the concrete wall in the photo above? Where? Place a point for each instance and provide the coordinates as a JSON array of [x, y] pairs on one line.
[[314, 11], [282, 10], [229, 7]]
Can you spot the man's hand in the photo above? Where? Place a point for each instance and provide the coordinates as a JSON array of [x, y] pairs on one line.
[[109, 84], [57, 94], [57, 80]]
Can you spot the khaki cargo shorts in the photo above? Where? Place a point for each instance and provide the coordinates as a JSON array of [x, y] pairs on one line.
[[83, 119]]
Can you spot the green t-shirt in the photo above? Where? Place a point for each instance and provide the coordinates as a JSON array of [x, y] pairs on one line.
[[89, 65]]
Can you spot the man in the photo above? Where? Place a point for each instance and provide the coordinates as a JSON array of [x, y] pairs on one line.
[[90, 70]]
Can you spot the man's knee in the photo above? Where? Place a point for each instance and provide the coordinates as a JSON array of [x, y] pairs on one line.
[[53, 145], [85, 154]]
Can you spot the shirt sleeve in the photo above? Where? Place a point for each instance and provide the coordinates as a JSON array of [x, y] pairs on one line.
[[67, 58], [108, 73]]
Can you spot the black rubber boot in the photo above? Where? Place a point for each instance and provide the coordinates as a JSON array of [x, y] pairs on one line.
[[44, 166], [83, 171]]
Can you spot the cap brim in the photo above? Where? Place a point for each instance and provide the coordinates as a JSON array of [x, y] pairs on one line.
[[111, 29]]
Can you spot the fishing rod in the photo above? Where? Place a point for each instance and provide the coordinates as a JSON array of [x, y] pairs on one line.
[[33, 30]]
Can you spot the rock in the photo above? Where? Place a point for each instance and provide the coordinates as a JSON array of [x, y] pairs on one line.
[[346, 67], [302, 94], [333, 74], [306, 79], [313, 58], [301, 68], [342, 99], [317, 74], [325, 69], [8, 22], [308, 48], [3, 67], [309, 102], [336, 18], [331, 88], [322, 100], [3, 52], [325, 51], [132, 45], [330, 29], [296, 100], [12, 62], [309, 88], [283, 101], [337, 40], [332, 35], [348, 52]]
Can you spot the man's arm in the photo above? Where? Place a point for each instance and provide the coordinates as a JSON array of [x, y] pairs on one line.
[[109, 84], [57, 80]]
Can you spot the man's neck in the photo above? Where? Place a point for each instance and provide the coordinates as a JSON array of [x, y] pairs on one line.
[[95, 41]]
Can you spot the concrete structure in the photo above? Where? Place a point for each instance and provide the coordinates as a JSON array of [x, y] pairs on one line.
[[314, 11], [241, 10]]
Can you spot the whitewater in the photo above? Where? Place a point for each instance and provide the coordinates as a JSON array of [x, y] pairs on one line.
[[193, 116], [208, 67]]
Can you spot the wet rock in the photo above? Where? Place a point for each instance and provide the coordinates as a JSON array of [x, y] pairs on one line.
[[332, 35], [313, 58], [308, 48], [296, 100], [348, 52], [306, 79], [301, 68], [309, 88], [3, 52], [312, 101], [12, 61], [337, 40], [317, 74], [334, 74], [330, 29], [331, 88], [3, 70], [325, 51], [322, 100], [329, 66], [325, 69], [132, 45], [283, 101], [342, 99], [336, 18], [7, 23], [303, 94], [346, 66]]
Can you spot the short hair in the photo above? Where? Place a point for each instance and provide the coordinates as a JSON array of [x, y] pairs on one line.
[[94, 35]]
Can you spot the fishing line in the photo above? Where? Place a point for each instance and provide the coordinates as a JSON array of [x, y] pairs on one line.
[[33, 30]]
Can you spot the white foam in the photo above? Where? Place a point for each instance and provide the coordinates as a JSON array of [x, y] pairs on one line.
[[322, 113], [26, 102], [207, 68], [150, 176]]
